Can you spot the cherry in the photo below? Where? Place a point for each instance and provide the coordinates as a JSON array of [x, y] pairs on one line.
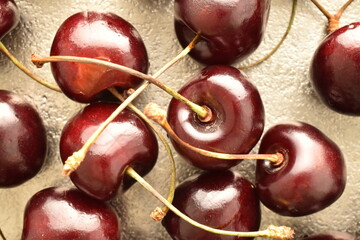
[[127, 141], [237, 113], [335, 70], [9, 17], [63, 214], [103, 36], [230, 30], [332, 235], [222, 199], [312, 175], [22, 140]]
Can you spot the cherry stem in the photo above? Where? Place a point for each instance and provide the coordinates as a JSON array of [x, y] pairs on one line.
[[2, 235], [342, 9], [39, 61], [74, 161], [159, 213], [13, 59], [154, 112], [281, 232], [332, 19], [291, 21]]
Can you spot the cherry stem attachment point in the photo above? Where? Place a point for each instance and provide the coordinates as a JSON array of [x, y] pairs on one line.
[[281, 232], [332, 19], [159, 213], [274, 50], [15, 61], [154, 112]]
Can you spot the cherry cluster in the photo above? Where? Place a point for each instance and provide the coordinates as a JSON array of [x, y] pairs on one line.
[[213, 122]]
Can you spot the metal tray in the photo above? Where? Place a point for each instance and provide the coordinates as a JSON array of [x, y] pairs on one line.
[[283, 82]]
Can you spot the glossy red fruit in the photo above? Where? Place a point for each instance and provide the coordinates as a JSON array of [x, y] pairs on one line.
[[64, 214], [126, 141], [9, 16], [104, 36], [335, 70], [238, 116], [331, 236], [312, 176], [230, 30], [23, 141], [222, 199]]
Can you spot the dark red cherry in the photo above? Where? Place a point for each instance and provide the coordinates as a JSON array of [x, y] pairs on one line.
[[331, 236], [104, 36], [9, 16], [22, 140], [222, 199], [126, 141], [238, 116], [312, 176], [335, 70], [230, 30], [64, 214]]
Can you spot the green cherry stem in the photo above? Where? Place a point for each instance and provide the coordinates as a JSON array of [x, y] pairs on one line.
[[281, 232], [13, 59], [154, 112], [158, 213], [332, 19], [327, 14], [74, 161], [287, 31], [199, 110]]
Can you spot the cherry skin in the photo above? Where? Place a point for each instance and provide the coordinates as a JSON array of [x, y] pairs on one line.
[[331, 236], [126, 141], [335, 70], [238, 116], [9, 16], [104, 36], [63, 214], [23, 142], [230, 30], [222, 199], [312, 175]]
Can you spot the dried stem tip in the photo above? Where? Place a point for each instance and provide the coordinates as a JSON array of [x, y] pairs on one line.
[[72, 163], [158, 214], [155, 113], [36, 60], [280, 232]]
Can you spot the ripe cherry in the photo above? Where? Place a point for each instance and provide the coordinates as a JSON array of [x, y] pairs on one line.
[[9, 17], [222, 199], [237, 118], [63, 214], [126, 141], [103, 36], [335, 70], [332, 235], [312, 175], [22, 140], [230, 30]]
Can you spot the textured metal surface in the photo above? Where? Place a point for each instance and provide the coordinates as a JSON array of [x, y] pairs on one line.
[[283, 82]]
